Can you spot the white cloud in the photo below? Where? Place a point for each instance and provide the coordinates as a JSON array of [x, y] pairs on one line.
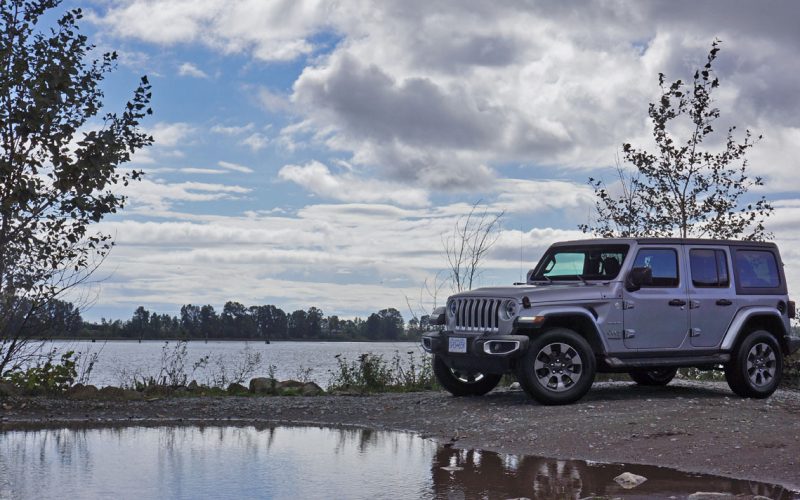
[[345, 258], [170, 134], [271, 31], [189, 69], [527, 196], [232, 130], [193, 170], [255, 141], [148, 195], [317, 178], [235, 167], [272, 101], [440, 93]]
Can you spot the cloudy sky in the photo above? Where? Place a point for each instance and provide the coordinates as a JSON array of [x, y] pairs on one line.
[[313, 152]]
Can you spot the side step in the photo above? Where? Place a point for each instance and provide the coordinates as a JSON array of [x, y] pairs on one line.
[[677, 361]]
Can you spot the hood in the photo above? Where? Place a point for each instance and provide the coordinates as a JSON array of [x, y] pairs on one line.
[[545, 293]]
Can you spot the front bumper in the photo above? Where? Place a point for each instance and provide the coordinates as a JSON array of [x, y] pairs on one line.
[[486, 354]]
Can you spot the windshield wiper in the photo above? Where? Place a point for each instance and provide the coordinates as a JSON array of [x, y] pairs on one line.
[[580, 277]]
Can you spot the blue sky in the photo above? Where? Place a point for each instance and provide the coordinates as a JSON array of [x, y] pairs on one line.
[[314, 153]]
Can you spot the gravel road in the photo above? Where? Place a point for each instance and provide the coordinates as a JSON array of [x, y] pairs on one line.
[[691, 426]]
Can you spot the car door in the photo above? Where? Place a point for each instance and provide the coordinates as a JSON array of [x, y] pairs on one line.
[[712, 298], [657, 315]]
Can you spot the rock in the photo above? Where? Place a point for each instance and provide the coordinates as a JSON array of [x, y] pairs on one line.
[[628, 480], [708, 495], [263, 385], [111, 392], [311, 389], [235, 388], [7, 390], [155, 390], [82, 392], [289, 384], [131, 395], [193, 386], [514, 386]]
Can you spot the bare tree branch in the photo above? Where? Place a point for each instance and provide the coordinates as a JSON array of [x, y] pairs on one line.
[[467, 245]]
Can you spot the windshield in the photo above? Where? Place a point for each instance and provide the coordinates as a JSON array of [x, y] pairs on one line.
[[580, 263]]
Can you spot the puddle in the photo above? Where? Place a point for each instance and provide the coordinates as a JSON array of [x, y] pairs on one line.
[[477, 474], [308, 462]]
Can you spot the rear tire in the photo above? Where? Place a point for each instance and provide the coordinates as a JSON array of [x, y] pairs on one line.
[[657, 377], [463, 383], [756, 368], [558, 367]]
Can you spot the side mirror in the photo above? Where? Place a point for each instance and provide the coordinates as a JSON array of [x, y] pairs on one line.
[[638, 277]]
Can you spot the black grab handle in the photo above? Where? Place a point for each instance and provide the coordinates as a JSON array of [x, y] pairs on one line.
[[677, 302]]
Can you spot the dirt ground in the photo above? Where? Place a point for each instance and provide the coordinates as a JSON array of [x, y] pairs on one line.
[[690, 426]]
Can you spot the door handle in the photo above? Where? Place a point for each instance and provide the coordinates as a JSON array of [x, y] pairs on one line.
[[724, 302], [677, 302]]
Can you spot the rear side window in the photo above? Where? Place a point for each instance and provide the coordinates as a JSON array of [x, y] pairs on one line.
[[709, 268], [757, 269], [663, 262]]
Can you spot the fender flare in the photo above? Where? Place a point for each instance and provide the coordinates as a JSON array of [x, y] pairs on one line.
[[561, 311], [741, 318]]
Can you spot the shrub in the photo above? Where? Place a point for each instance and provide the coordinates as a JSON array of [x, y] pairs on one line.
[[372, 373], [171, 374], [47, 376], [237, 372], [791, 373]]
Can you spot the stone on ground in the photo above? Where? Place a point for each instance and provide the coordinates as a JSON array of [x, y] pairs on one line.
[[629, 480]]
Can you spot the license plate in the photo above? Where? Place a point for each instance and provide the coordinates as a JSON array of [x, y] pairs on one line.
[[457, 344]]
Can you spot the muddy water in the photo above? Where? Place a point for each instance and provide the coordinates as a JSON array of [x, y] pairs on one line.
[[308, 462]]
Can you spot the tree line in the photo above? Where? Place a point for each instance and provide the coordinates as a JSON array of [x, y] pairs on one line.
[[62, 319]]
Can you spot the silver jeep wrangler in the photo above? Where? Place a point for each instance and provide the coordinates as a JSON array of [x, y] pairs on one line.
[[642, 306]]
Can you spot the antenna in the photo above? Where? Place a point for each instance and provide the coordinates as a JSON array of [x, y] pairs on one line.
[[520, 256]]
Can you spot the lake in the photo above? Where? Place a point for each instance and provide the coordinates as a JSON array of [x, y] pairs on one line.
[[119, 360], [195, 462]]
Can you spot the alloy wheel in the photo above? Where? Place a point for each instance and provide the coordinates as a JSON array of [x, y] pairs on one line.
[[558, 367], [761, 364]]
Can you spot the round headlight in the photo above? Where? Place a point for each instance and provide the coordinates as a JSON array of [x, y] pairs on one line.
[[508, 310], [452, 308]]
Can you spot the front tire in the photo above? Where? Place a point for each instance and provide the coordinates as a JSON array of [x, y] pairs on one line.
[[461, 382], [657, 377], [558, 367], [756, 368]]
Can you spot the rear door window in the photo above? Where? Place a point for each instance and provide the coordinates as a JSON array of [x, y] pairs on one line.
[[709, 268]]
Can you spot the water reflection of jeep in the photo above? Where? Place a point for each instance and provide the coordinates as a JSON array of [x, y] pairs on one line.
[[459, 473], [645, 307]]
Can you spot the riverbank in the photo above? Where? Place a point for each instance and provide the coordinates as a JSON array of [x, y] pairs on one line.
[[690, 426]]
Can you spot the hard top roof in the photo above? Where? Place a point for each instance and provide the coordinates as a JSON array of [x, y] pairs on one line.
[[665, 241]]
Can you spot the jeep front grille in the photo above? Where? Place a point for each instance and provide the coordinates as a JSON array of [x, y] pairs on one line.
[[477, 315]]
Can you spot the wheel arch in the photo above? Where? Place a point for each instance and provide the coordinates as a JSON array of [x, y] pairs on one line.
[[749, 320], [577, 319]]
